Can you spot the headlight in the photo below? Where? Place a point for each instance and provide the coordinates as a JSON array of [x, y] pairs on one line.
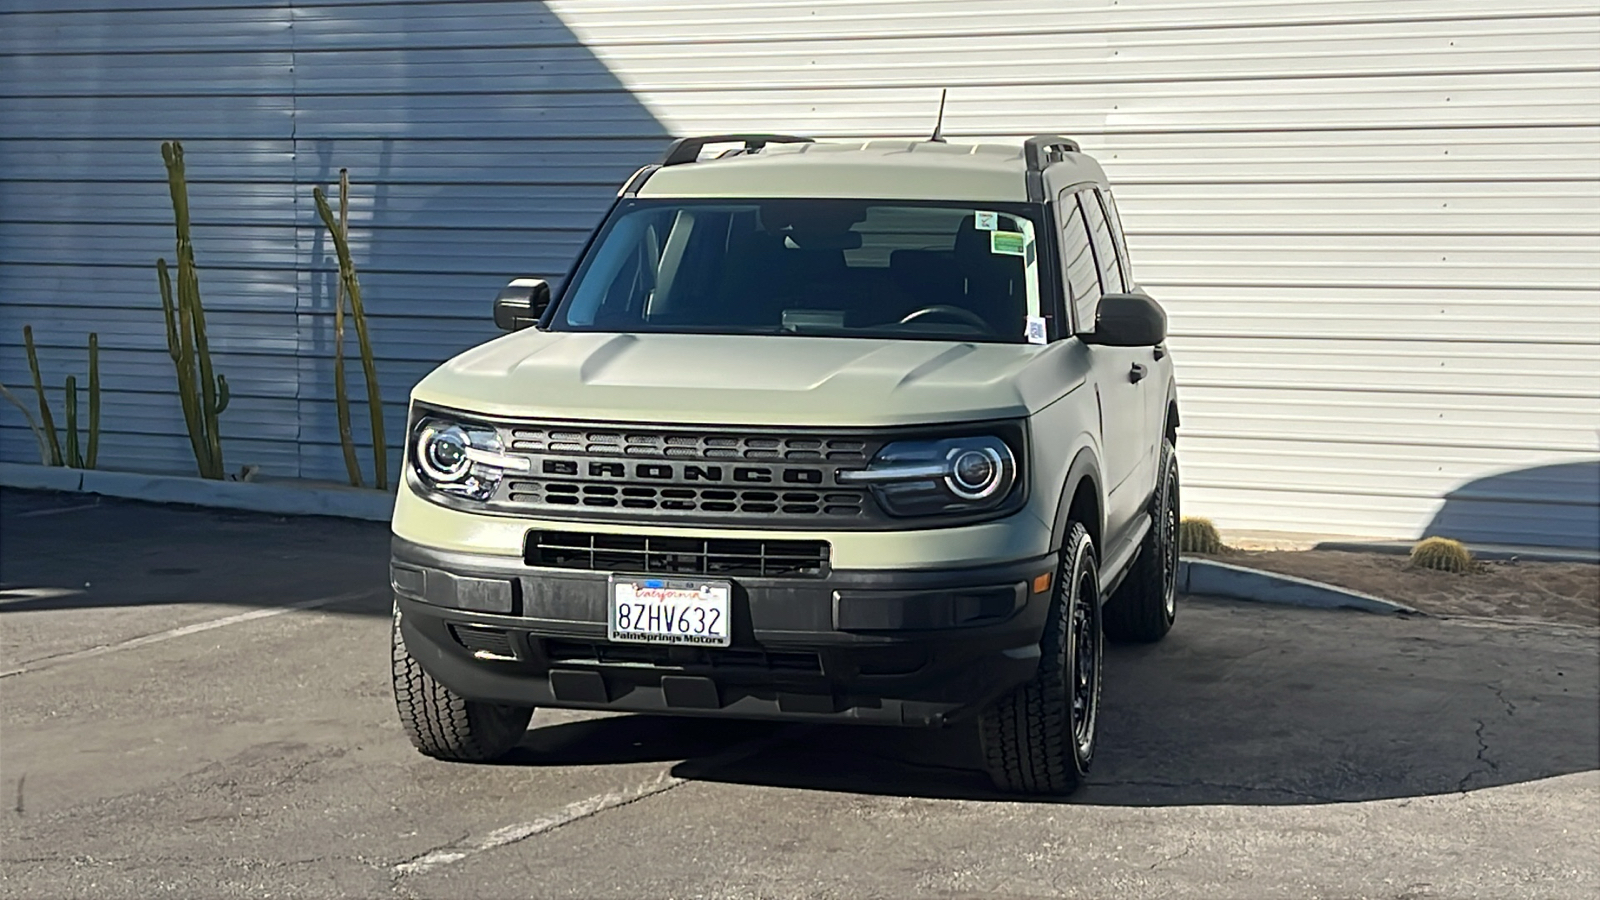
[[952, 475], [461, 459]]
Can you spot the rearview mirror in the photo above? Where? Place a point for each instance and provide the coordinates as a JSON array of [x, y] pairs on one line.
[[1127, 320], [521, 303]]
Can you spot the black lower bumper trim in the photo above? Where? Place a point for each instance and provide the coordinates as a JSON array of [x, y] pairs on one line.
[[919, 647]]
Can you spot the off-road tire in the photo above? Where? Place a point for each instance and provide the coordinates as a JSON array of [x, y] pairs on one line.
[[443, 724], [1031, 738], [1143, 607]]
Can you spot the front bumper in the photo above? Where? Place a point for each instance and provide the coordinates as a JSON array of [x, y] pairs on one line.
[[904, 647]]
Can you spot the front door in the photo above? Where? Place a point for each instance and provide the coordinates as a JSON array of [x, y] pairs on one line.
[[1120, 386]]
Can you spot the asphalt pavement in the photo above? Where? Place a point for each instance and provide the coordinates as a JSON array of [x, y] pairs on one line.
[[197, 704]]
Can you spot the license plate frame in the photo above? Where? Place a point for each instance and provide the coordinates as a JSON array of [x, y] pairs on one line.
[[692, 612]]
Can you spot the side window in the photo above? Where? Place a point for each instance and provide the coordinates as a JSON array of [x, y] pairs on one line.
[[1105, 248], [1083, 287], [1110, 203]]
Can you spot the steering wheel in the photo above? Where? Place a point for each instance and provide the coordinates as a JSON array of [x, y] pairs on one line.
[[965, 315]]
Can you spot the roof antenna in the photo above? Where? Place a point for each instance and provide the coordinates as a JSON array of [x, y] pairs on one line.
[[939, 125]]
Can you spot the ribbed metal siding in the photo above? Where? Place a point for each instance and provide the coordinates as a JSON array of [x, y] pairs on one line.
[[1375, 223], [483, 142]]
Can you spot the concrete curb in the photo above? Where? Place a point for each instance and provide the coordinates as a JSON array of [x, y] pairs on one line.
[[1218, 579], [1479, 551], [267, 497]]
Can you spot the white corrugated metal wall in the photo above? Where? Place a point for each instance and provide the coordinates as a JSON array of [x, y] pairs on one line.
[[1376, 223], [483, 141]]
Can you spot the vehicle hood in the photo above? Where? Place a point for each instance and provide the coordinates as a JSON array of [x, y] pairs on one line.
[[746, 379]]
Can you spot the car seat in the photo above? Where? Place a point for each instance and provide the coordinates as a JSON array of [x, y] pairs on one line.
[[995, 288]]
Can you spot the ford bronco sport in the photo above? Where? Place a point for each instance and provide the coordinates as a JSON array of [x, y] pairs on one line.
[[849, 432]]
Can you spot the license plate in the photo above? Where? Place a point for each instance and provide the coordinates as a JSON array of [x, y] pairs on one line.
[[669, 611]]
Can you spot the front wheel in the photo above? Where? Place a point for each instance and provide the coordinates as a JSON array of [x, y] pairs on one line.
[[1040, 739], [443, 724]]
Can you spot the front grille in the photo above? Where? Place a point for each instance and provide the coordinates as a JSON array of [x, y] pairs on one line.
[[677, 555], [684, 498], [580, 441], [725, 658], [600, 472]]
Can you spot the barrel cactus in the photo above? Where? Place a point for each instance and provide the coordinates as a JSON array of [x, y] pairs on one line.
[[1442, 554], [1197, 535]]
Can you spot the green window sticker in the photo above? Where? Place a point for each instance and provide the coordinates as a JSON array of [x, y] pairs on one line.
[[1009, 243]]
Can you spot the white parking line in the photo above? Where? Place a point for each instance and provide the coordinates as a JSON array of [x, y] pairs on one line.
[[158, 637], [583, 809], [17, 595], [56, 511], [510, 834]]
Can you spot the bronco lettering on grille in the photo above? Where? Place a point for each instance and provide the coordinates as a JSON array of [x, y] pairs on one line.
[[655, 471]]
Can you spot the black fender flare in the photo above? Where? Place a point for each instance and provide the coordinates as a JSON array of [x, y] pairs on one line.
[[1084, 465]]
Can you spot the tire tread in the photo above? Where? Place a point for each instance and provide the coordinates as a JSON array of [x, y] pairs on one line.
[[443, 724], [1027, 735]]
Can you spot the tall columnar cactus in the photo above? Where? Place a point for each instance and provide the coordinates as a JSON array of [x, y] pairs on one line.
[[74, 458], [204, 396], [352, 287], [341, 390], [50, 451], [44, 406], [93, 452]]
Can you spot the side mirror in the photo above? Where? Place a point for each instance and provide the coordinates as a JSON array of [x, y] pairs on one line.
[[521, 303], [1127, 320]]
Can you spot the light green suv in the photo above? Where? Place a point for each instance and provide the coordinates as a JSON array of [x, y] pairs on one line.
[[850, 432]]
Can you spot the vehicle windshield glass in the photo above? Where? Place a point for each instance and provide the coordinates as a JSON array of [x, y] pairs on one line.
[[846, 268]]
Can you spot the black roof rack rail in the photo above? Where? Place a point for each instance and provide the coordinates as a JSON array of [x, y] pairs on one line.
[[1044, 149], [687, 150]]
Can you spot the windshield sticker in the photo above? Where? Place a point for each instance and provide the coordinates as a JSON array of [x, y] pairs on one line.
[[985, 221], [1009, 243], [1035, 330]]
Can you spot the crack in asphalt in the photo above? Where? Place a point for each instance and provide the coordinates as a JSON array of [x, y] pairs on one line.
[[1483, 747], [1485, 764], [1511, 708]]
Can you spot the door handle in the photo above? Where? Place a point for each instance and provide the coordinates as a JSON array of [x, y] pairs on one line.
[[1137, 373], [1160, 351]]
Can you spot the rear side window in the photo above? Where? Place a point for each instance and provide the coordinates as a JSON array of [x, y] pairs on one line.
[[1105, 247], [1083, 284], [1110, 203]]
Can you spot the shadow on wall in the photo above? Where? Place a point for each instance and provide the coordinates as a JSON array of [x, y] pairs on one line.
[[1545, 506], [483, 141], [481, 148]]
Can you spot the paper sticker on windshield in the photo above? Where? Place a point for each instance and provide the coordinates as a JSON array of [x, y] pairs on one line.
[[1010, 243], [985, 221], [1035, 330]]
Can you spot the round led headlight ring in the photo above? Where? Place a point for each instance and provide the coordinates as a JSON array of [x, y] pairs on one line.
[[975, 473], [442, 453]]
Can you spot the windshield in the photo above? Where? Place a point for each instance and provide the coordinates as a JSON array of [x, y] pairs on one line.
[[811, 267]]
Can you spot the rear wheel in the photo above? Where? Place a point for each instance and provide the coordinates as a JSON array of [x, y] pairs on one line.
[[442, 723], [1040, 739], [1143, 607]]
